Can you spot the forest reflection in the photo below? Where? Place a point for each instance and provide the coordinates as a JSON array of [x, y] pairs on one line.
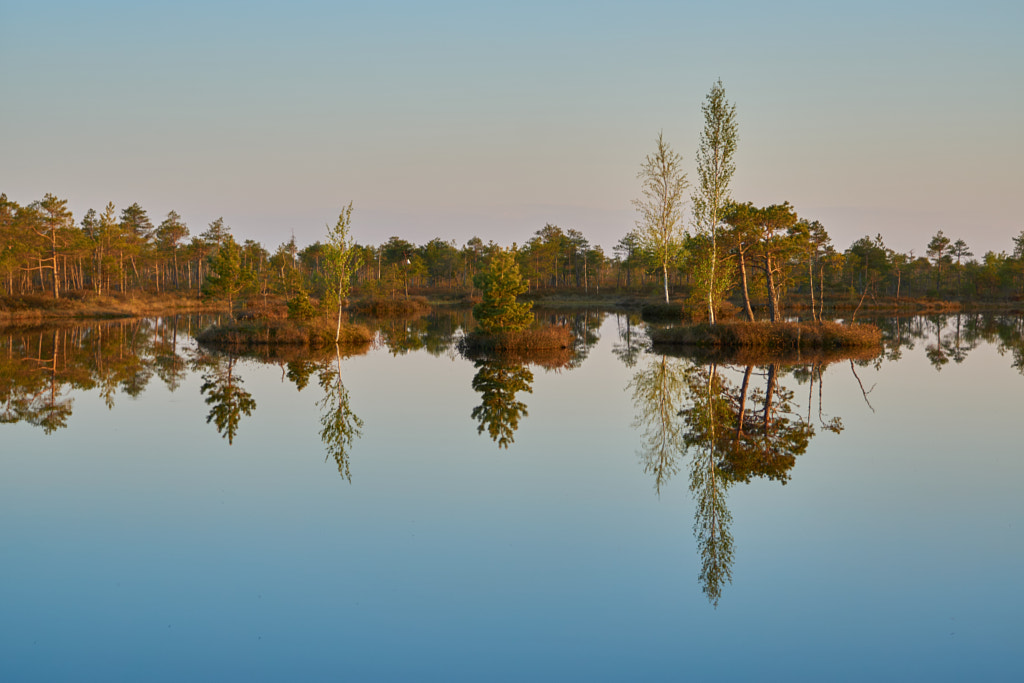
[[951, 337], [224, 393], [438, 331], [501, 379], [41, 367], [728, 420]]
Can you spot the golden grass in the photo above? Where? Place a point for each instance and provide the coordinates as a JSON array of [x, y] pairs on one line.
[[77, 304], [534, 339], [766, 335], [281, 332]]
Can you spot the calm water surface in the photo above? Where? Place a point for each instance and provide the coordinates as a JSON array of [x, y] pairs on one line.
[[404, 513]]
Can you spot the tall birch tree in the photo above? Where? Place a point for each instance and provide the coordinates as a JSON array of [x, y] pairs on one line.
[[664, 184], [343, 260], [715, 168]]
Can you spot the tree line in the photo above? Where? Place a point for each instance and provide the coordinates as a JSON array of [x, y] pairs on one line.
[[764, 256]]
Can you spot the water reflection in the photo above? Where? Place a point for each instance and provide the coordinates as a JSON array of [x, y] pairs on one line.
[[34, 382], [951, 337], [658, 391], [339, 426], [633, 338], [436, 331], [730, 418], [705, 420], [224, 393], [299, 371], [498, 382], [501, 378], [40, 367]]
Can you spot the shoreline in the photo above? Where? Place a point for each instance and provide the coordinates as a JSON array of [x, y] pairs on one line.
[[79, 305]]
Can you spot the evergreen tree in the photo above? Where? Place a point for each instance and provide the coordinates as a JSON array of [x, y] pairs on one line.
[[501, 284], [226, 278], [169, 235], [937, 251]]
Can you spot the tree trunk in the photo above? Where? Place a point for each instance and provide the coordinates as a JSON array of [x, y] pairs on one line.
[[53, 258], [810, 280], [821, 292], [769, 277], [743, 403], [769, 394], [711, 278], [746, 293]]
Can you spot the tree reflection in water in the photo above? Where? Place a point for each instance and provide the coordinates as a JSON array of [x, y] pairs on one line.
[[658, 394], [500, 378], [339, 426], [227, 399], [731, 432], [498, 381], [41, 367]]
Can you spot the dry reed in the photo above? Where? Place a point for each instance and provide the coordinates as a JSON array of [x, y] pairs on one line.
[[765, 335]]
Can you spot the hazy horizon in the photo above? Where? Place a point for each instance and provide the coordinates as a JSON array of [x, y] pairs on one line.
[[454, 119]]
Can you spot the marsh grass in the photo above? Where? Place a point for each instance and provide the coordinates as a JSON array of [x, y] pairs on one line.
[[550, 337], [765, 335], [79, 304], [265, 332]]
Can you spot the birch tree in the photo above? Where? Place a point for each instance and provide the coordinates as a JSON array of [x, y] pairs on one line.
[[660, 225], [342, 260], [715, 168]]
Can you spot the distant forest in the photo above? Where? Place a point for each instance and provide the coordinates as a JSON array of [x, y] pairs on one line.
[[45, 251]]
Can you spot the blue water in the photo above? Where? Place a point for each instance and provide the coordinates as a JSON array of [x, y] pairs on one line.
[[136, 543]]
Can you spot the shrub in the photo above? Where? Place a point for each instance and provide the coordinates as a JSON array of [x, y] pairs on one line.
[[300, 308], [499, 312]]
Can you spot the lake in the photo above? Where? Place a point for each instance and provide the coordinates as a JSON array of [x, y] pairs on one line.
[[614, 513]]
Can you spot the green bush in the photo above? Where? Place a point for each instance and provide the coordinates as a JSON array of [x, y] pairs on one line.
[[300, 308]]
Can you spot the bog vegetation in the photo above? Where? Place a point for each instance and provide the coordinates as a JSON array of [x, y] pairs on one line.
[[781, 264]]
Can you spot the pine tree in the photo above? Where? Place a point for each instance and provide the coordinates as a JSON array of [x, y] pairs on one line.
[[501, 284], [226, 278]]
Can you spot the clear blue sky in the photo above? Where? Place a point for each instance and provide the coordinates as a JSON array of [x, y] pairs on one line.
[[456, 119]]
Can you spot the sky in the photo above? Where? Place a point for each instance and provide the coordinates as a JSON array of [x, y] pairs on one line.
[[454, 119]]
